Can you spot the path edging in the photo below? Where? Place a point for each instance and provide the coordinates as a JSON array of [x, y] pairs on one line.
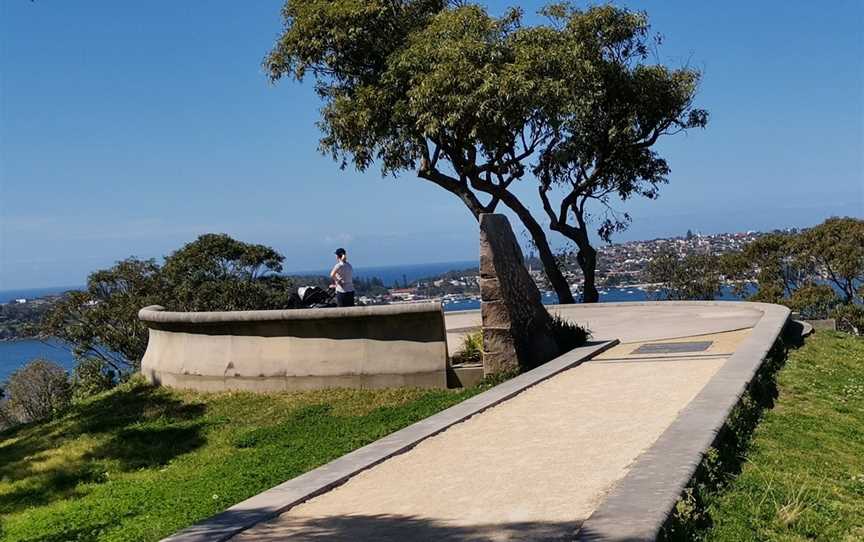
[[640, 503], [274, 501]]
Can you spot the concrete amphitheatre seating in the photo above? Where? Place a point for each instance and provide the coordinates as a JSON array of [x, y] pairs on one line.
[[275, 350]]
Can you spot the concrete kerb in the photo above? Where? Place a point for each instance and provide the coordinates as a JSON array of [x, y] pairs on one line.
[[278, 499], [640, 503]]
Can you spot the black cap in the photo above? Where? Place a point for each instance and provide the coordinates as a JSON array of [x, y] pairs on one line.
[[340, 251]]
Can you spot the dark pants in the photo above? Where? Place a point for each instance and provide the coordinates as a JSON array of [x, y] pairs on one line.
[[344, 299]]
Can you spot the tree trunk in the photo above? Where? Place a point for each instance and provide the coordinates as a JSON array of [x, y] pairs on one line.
[[550, 265], [547, 257], [587, 258]]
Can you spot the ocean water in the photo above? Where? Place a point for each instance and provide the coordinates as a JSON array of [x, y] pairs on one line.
[[32, 293], [607, 295], [392, 275], [14, 354]]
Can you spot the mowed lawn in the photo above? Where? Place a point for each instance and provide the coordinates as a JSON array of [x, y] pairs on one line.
[[804, 474], [138, 463]]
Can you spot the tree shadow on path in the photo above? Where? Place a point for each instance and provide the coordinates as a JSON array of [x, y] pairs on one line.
[[393, 528]]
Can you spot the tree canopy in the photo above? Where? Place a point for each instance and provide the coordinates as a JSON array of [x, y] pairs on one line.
[[214, 272], [835, 251], [817, 272], [694, 276], [472, 103]]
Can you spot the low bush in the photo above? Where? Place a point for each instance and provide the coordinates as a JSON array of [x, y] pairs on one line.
[[92, 376], [39, 390], [7, 420], [813, 301], [850, 318], [568, 335], [472, 349]]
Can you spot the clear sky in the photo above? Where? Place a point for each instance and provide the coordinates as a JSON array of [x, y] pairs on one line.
[[128, 128]]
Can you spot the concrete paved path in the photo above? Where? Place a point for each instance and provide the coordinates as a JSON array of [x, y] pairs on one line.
[[537, 465], [639, 322]]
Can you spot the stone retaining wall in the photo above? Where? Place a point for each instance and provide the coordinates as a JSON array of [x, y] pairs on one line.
[[277, 350]]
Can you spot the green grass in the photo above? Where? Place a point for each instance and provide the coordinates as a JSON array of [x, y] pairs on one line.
[[138, 463], [803, 478]]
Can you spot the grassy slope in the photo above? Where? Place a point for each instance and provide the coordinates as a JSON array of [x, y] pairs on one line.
[[139, 463], [804, 474]]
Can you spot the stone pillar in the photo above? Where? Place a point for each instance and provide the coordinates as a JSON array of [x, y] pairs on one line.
[[517, 330]]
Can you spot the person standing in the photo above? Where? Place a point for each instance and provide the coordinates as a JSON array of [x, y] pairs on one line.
[[343, 275]]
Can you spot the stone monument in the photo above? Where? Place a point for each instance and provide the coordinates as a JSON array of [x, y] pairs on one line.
[[517, 329]]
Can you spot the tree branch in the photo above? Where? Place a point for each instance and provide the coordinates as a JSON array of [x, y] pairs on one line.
[[457, 187]]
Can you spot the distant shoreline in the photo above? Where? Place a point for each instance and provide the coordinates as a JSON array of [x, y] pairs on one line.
[[387, 273]]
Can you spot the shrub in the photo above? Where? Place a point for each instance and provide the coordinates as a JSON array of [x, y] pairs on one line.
[[693, 276], [814, 301], [214, 272], [850, 318], [472, 349], [568, 335], [37, 391], [92, 376], [6, 418]]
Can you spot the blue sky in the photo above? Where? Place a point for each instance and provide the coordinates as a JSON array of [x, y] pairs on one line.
[[128, 128]]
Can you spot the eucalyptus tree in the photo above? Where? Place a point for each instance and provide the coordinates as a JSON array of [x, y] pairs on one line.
[[694, 276], [834, 250], [212, 273], [613, 113], [472, 102]]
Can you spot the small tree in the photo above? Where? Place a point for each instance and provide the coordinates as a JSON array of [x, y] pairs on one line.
[[467, 101], [850, 317], [214, 272], [813, 301], [831, 253], [7, 419], [834, 250], [37, 391], [693, 277], [101, 322], [615, 112], [218, 273], [771, 262]]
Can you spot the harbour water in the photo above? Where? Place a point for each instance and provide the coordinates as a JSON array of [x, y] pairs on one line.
[[607, 295], [14, 354], [32, 293]]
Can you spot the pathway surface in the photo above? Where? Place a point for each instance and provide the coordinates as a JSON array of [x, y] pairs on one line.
[[536, 465], [638, 322]]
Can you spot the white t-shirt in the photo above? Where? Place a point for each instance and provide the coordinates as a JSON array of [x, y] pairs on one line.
[[343, 275]]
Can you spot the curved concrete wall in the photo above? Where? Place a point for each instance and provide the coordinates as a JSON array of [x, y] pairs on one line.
[[276, 350]]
